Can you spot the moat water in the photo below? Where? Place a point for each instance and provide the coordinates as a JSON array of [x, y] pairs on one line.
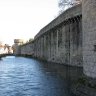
[[21, 76]]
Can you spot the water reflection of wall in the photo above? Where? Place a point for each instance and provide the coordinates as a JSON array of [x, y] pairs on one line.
[[70, 74]]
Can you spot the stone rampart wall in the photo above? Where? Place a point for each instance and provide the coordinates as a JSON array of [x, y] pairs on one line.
[[60, 41], [89, 37]]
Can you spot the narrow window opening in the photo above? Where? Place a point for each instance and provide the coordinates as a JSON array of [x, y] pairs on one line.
[[95, 48]]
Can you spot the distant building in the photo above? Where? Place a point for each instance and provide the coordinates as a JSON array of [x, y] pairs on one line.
[[15, 47], [5, 49]]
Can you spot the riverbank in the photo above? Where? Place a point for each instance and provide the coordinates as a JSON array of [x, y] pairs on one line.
[[4, 55]]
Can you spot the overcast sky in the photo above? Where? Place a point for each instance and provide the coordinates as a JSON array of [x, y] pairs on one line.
[[24, 18]]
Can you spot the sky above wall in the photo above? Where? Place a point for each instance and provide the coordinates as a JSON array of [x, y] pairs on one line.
[[23, 19]]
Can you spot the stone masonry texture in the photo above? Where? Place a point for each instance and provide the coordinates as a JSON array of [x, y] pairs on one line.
[[89, 37], [69, 39], [60, 41]]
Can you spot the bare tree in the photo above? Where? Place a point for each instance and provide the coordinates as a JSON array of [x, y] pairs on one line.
[[6, 46], [65, 4]]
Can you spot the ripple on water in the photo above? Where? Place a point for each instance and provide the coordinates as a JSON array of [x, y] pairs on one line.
[[27, 77]]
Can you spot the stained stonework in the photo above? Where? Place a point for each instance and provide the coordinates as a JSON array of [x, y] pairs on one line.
[[60, 41], [89, 37]]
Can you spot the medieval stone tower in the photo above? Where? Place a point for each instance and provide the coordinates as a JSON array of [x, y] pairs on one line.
[[89, 37], [17, 42]]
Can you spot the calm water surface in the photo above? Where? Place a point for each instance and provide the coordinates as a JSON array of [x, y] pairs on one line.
[[27, 77]]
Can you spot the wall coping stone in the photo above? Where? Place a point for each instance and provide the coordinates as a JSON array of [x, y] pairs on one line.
[[70, 13]]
